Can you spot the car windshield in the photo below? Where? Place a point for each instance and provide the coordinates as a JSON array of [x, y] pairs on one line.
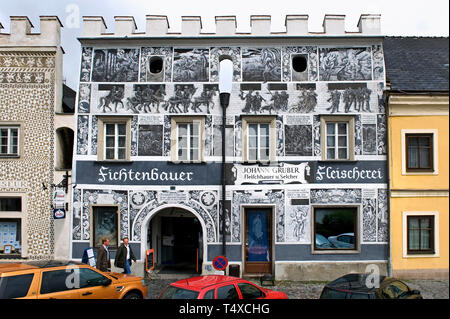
[[172, 292]]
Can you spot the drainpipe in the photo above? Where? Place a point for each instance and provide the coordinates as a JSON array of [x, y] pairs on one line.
[[388, 192], [225, 81]]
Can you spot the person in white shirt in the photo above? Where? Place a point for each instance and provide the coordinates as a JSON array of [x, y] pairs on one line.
[[125, 256]]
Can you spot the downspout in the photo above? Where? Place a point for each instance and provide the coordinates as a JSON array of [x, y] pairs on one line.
[[388, 162], [225, 83]]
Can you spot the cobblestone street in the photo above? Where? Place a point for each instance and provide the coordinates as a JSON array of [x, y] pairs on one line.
[[430, 289]]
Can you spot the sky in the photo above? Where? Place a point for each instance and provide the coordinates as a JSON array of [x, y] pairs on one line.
[[398, 17]]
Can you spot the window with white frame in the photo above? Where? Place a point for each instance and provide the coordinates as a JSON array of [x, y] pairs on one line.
[[9, 141], [114, 139], [187, 139], [337, 138], [420, 234], [258, 134]]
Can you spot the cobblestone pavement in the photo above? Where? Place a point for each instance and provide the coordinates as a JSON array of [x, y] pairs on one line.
[[430, 289]]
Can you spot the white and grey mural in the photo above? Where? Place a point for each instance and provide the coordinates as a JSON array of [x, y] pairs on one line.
[[151, 84]]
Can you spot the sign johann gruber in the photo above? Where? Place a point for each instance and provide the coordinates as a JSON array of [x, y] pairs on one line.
[[283, 173]]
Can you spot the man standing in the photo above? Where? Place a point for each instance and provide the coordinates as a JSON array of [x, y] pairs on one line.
[[103, 258], [124, 256]]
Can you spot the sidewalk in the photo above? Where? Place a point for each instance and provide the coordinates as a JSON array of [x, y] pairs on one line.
[[430, 289]]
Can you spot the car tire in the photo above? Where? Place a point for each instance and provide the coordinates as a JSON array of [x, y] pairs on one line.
[[132, 295]]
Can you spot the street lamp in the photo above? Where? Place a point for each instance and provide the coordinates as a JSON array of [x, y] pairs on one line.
[[225, 83]]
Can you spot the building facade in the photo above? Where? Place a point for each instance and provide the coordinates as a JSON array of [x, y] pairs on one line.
[[30, 92], [305, 146], [418, 155]]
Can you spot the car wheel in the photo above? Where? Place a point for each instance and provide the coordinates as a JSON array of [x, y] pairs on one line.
[[132, 295]]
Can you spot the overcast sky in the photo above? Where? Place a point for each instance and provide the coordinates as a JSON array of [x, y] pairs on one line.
[[398, 18]]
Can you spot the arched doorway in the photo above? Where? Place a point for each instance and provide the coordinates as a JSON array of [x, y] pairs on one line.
[[177, 237]]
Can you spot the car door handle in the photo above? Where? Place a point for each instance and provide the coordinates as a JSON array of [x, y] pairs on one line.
[[87, 293]]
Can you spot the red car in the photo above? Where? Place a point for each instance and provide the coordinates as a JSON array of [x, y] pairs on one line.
[[218, 287]]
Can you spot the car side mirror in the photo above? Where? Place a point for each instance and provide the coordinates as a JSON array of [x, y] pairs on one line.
[[106, 282]]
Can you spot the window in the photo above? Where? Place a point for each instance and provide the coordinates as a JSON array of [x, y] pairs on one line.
[[420, 237], [10, 204], [9, 141], [105, 225], [249, 291], [209, 294], [227, 292], [10, 236], [114, 139], [55, 281], [90, 278], [187, 139], [15, 286], [259, 138], [337, 138], [335, 228], [172, 292], [419, 152]]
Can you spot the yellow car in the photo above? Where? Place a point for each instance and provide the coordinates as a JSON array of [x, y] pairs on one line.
[[66, 280]]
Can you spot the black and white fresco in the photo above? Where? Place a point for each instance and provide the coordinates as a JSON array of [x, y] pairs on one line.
[[134, 136], [369, 220], [115, 65], [349, 98], [84, 98], [148, 55], [106, 197], [76, 218], [358, 135], [316, 135], [381, 134], [298, 140], [261, 64], [382, 216], [351, 64], [147, 98], [312, 63], [232, 52], [112, 99], [369, 139], [227, 209], [94, 134], [191, 65], [336, 196], [298, 228], [306, 101], [82, 134], [150, 140], [378, 62], [86, 64]]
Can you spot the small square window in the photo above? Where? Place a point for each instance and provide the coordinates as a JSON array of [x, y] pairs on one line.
[[9, 141], [338, 138], [419, 152], [420, 237], [114, 139], [187, 139]]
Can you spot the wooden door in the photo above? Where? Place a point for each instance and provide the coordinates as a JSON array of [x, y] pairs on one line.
[[258, 240]]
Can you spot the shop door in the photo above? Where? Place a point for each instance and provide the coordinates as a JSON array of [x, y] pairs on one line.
[[258, 240]]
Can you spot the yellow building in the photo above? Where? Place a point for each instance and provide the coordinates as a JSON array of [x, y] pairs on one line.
[[418, 143]]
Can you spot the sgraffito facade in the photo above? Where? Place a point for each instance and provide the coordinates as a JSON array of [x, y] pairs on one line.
[[305, 145], [30, 85]]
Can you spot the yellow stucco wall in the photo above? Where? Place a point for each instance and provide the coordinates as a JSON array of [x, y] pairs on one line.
[[422, 181], [425, 193], [426, 205]]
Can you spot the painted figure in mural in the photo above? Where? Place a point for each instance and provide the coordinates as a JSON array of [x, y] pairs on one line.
[[206, 98], [307, 102], [335, 99], [248, 100], [158, 97], [299, 219], [114, 97], [256, 102]]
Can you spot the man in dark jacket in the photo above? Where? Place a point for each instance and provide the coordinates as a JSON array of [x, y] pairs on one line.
[[103, 258], [124, 256]]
